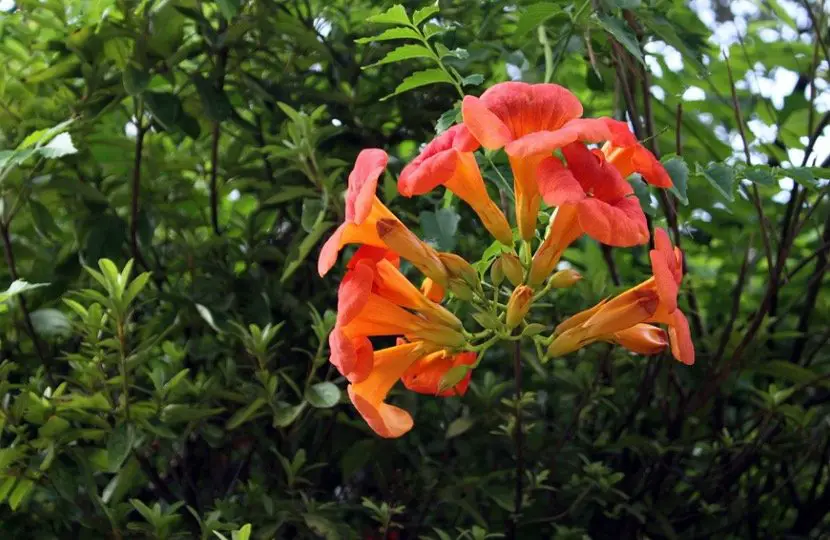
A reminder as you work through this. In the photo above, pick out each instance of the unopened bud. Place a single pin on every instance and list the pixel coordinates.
(496, 273)
(512, 267)
(565, 278)
(459, 268)
(564, 343)
(439, 334)
(518, 305)
(463, 278)
(452, 377)
(402, 241)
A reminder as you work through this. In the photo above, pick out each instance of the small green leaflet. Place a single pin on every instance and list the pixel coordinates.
(404, 52)
(721, 176)
(394, 15)
(679, 173)
(421, 78)
(621, 33)
(401, 32)
(424, 13)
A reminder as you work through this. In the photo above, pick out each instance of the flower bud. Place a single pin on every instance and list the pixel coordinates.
(565, 278)
(496, 273)
(512, 268)
(518, 305)
(564, 343)
(402, 241)
(463, 278)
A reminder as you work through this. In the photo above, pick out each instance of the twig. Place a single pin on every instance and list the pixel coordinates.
(519, 439)
(608, 255)
(678, 124)
(755, 196)
(135, 195)
(24, 309)
(736, 304)
(811, 298)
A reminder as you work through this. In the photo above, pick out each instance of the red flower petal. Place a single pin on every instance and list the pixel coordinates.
(363, 182)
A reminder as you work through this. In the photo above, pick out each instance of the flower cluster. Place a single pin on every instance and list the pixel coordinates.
(547, 142)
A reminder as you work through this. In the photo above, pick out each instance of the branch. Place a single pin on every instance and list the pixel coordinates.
(519, 439)
(136, 185)
(27, 318)
(221, 62)
(813, 290)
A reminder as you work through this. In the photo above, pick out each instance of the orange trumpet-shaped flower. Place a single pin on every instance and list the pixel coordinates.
(592, 198)
(403, 241)
(424, 376)
(363, 209)
(653, 301)
(508, 112)
(449, 160)
(531, 121)
(369, 395)
(373, 300)
(421, 366)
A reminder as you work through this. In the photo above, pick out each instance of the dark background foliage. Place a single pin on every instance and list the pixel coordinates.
(210, 141)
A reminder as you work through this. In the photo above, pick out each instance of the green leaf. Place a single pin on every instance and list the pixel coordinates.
(135, 80)
(459, 426)
(44, 222)
(761, 175)
(390, 34)
(424, 13)
(242, 534)
(58, 147)
(323, 395)
(472, 80)
(64, 68)
(721, 176)
(208, 317)
(6, 486)
(447, 120)
(536, 14)
(356, 457)
(19, 286)
(21, 491)
(679, 173)
(440, 227)
(420, 78)
(802, 175)
(215, 102)
(404, 52)
(622, 34)
(296, 257)
(119, 446)
(311, 213)
(643, 193)
(53, 427)
(228, 8)
(787, 371)
(288, 193)
(394, 15)
(286, 414)
(453, 376)
(178, 413)
(50, 322)
(243, 415)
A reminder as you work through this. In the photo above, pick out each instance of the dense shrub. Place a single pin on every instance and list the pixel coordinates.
(171, 168)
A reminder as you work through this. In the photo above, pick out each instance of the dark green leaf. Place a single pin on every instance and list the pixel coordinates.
(721, 176)
(421, 78)
(679, 173)
(322, 395)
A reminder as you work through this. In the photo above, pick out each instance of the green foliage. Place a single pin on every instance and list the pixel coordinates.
(169, 169)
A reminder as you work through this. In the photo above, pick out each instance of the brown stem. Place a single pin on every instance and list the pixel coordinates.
(736, 304)
(518, 438)
(24, 309)
(135, 195)
(812, 297)
(221, 63)
(612, 266)
(754, 196)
